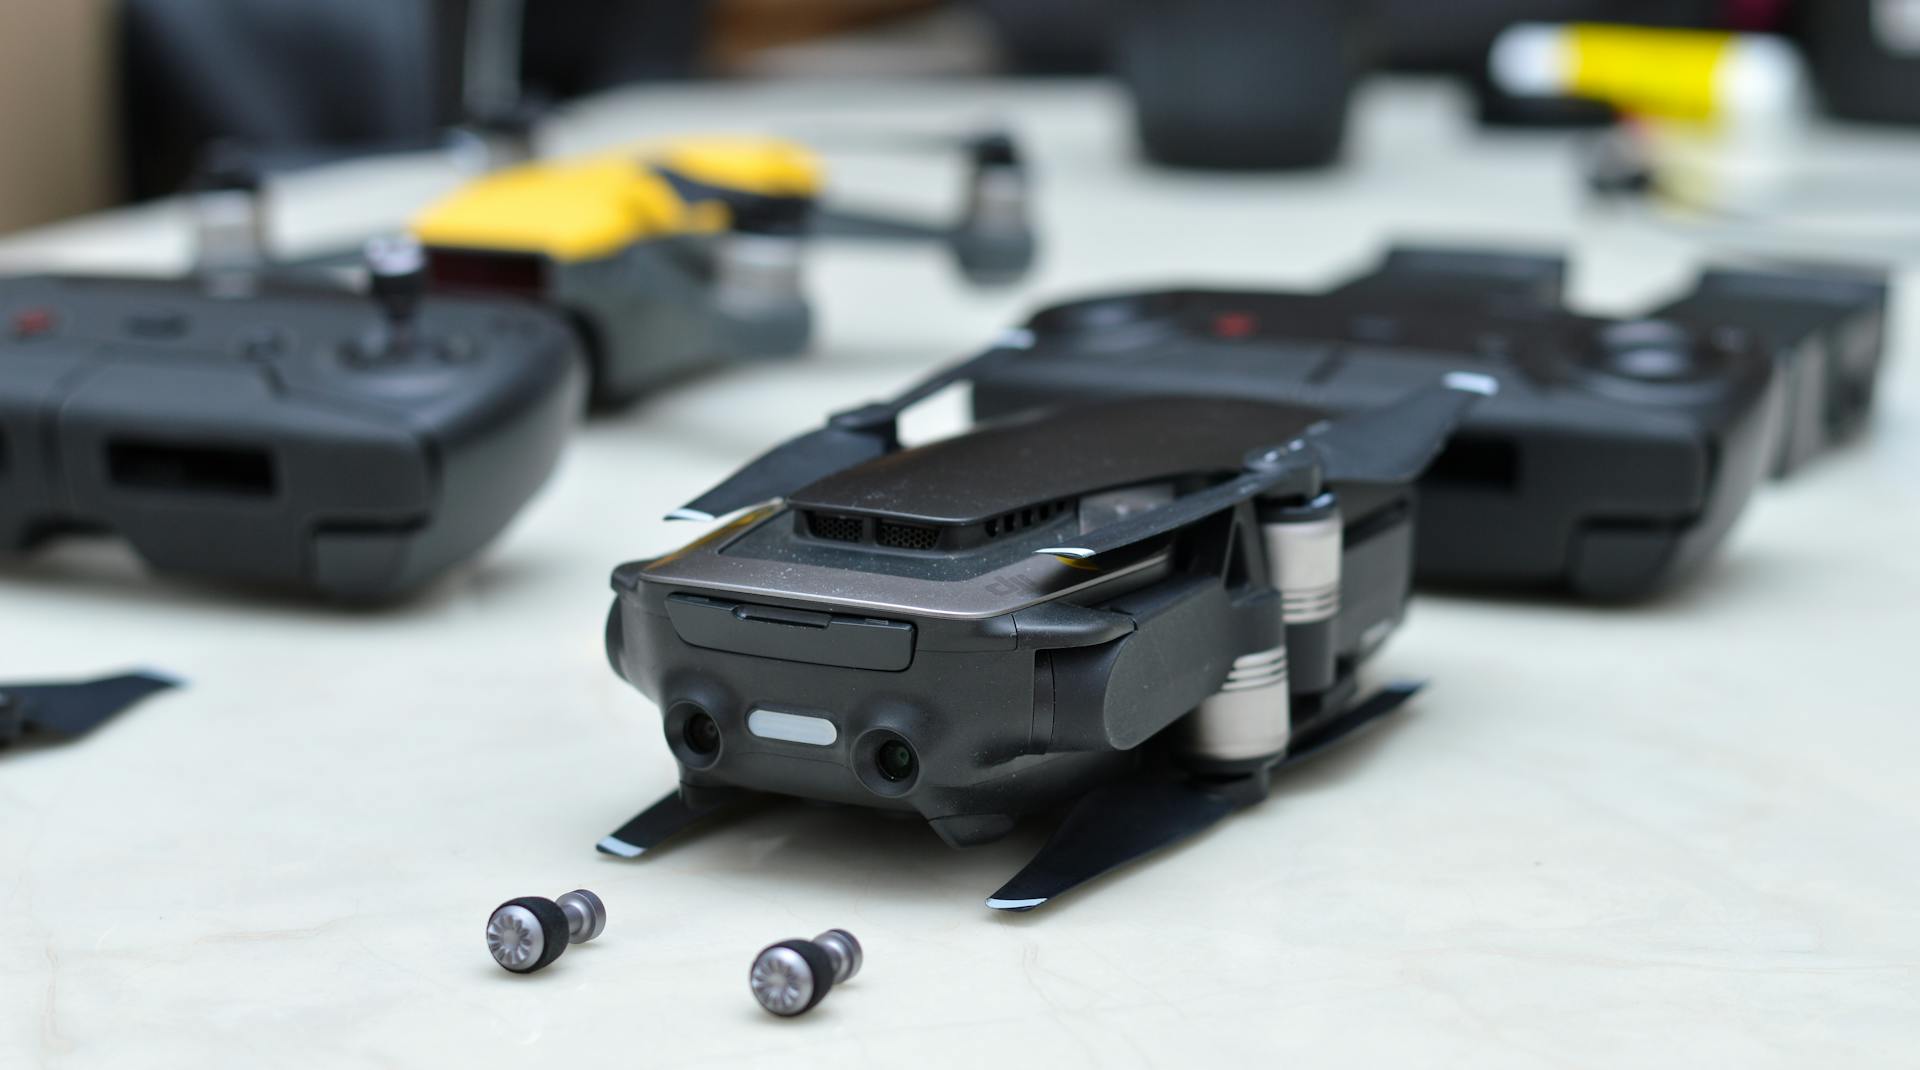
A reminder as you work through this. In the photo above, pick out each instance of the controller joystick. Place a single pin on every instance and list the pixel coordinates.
(1660, 362)
(397, 282)
(791, 977)
(526, 934)
(289, 438)
(230, 240)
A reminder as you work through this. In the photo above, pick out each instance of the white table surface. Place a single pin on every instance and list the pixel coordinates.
(1684, 833)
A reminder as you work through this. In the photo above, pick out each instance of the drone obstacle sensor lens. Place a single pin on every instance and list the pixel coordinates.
(702, 734)
(896, 760)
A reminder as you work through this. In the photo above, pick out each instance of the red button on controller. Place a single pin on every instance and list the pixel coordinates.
(32, 322)
(1235, 324)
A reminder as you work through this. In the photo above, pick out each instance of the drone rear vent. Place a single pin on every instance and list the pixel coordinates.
(906, 536)
(837, 527)
(1022, 519)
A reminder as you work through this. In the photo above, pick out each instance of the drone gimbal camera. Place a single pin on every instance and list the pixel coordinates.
(1138, 611)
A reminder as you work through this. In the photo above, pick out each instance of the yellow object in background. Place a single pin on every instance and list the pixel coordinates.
(587, 207)
(1708, 77)
(760, 166)
(1672, 74)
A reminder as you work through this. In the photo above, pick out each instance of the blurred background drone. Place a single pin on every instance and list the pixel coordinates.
(120, 99)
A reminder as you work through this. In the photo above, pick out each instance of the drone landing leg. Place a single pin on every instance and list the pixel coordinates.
(1109, 827)
(1116, 824)
(1337, 730)
(662, 820)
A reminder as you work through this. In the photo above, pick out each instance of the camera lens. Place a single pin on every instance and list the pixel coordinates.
(895, 759)
(701, 734)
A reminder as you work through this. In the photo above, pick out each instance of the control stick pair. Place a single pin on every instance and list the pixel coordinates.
(788, 978)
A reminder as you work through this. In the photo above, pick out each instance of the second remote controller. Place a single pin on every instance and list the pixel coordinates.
(1616, 454)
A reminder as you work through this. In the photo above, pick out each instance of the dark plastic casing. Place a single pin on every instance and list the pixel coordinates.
(271, 439)
(1019, 681)
(1616, 454)
(648, 314)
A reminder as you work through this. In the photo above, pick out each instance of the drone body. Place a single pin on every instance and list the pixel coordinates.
(1085, 606)
(682, 254)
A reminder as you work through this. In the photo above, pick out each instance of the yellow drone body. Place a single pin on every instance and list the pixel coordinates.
(671, 255)
(591, 207)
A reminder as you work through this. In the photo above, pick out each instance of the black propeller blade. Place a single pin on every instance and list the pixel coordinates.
(1109, 827)
(789, 466)
(1318, 740)
(850, 438)
(661, 821)
(1113, 825)
(72, 709)
(1289, 469)
(1387, 445)
(1394, 444)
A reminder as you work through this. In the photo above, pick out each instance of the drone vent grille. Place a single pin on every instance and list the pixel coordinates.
(906, 536)
(836, 527)
(1022, 519)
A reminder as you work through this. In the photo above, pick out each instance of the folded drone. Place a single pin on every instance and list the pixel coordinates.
(1137, 611)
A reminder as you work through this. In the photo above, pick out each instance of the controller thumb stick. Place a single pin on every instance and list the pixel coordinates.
(230, 246)
(528, 933)
(397, 281)
(506, 133)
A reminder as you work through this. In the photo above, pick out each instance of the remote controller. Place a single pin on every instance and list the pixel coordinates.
(277, 433)
(1616, 454)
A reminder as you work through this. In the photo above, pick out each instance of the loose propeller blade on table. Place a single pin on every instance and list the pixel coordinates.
(73, 709)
